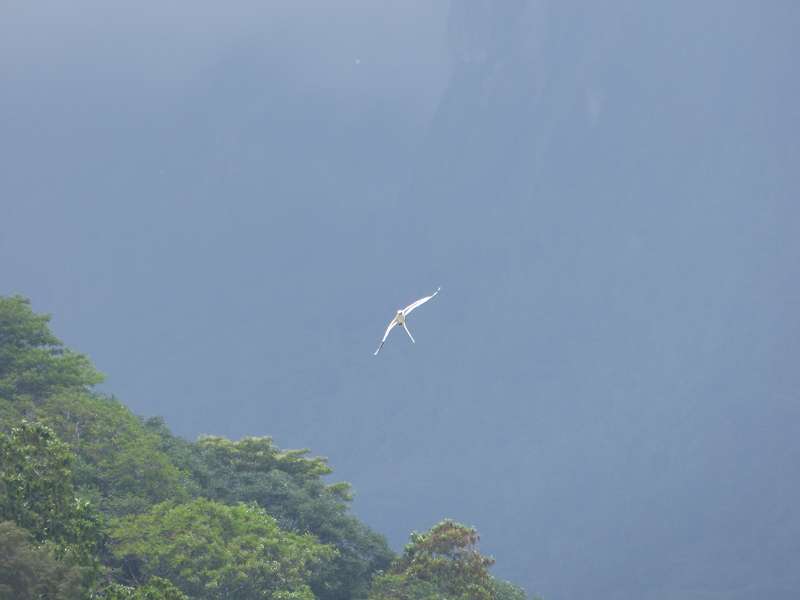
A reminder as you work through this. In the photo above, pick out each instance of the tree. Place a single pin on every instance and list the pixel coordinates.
(397, 586)
(33, 362)
(505, 590)
(445, 558)
(156, 588)
(119, 462)
(29, 571)
(214, 551)
(36, 492)
(289, 485)
(180, 452)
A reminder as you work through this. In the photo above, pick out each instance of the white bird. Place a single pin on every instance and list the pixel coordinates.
(400, 318)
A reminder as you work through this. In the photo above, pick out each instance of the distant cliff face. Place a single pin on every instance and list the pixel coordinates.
(480, 30)
(593, 171)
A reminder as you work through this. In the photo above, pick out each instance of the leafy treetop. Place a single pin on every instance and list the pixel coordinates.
(216, 551)
(289, 485)
(33, 362)
(37, 493)
(443, 563)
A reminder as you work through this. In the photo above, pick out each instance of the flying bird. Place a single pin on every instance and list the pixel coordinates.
(400, 319)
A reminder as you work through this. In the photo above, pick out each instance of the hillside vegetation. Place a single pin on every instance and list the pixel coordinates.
(96, 502)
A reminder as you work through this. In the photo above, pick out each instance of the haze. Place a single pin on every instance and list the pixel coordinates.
(224, 207)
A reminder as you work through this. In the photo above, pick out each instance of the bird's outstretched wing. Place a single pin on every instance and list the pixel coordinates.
(419, 302)
(392, 323)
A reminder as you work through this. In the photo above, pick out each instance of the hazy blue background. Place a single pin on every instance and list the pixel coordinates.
(224, 206)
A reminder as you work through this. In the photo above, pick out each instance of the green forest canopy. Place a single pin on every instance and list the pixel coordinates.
(98, 503)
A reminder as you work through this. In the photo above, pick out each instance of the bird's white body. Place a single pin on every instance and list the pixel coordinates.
(400, 318)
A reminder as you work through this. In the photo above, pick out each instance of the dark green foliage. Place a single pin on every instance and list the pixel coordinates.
(394, 586)
(254, 469)
(119, 464)
(119, 461)
(35, 480)
(362, 552)
(31, 572)
(214, 551)
(155, 589)
(33, 362)
(289, 485)
(180, 452)
(36, 492)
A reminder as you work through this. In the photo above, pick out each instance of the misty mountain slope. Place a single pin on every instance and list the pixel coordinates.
(622, 265)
